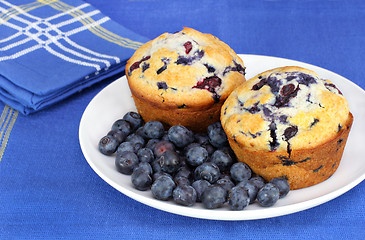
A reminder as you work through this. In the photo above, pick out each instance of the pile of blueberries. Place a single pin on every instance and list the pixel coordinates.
(186, 167)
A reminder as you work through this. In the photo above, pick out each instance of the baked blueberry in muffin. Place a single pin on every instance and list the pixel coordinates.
(183, 78)
(288, 122)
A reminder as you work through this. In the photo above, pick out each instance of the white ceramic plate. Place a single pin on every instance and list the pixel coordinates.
(115, 100)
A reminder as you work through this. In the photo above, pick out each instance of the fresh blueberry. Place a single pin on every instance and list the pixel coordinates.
(225, 183)
(196, 156)
(125, 147)
(137, 140)
(207, 171)
(268, 195)
(146, 166)
(162, 187)
(161, 147)
(108, 145)
(209, 147)
(217, 136)
(201, 138)
(169, 162)
(126, 162)
(191, 145)
(180, 135)
(184, 195)
(183, 172)
(251, 190)
(153, 129)
(151, 143)
(181, 180)
(222, 159)
(258, 181)
(214, 196)
(282, 184)
(141, 179)
(122, 125)
(225, 175)
(240, 171)
(158, 174)
(155, 164)
(145, 155)
(140, 132)
(165, 136)
(242, 183)
(200, 186)
(134, 119)
(118, 135)
(183, 162)
(228, 150)
(238, 198)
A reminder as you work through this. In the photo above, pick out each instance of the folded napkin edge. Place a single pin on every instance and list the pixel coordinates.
(50, 99)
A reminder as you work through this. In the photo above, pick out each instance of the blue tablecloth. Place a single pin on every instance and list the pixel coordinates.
(48, 190)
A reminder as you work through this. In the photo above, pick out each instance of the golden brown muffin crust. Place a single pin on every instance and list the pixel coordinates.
(287, 122)
(183, 78)
(167, 74)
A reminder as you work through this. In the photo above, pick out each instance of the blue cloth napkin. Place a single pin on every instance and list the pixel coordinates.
(50, 49)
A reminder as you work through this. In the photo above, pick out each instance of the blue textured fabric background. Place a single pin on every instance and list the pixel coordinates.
(48, 191)
(85, 45)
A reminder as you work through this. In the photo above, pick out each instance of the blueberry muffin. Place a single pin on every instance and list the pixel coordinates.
(288, 122)
(183, 78)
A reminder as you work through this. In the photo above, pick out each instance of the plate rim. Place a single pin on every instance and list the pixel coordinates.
(227, 214)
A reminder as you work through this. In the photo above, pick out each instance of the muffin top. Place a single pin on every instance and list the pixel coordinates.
(184, 69)
(284, 109)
